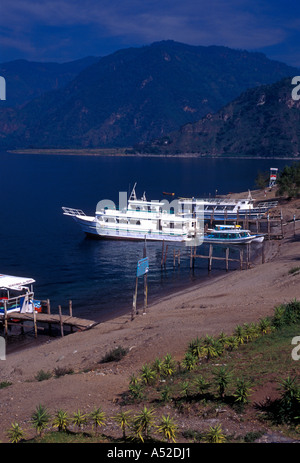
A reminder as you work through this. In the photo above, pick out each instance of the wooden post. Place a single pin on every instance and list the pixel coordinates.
(263, 252)
(294, 225)
(269, 226)
(70, 309)
(191, 258)
(34, 323)
(48, 307)
(227, 256)
(61, 321)
(179, 258)
(281, 220)
(210, 257)
(5, 319)
(241, 258)
(133, 313)
(145, 293)
(162, 253)
(166, 255)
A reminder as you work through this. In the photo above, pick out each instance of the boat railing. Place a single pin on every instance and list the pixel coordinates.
(16, 304)
(72, 212)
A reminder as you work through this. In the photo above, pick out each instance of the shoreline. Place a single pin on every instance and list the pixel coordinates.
(114, 152)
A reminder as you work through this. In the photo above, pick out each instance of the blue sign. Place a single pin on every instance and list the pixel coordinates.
(142, 267)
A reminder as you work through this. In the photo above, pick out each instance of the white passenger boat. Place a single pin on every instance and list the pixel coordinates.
(226, 234)
(140, 219)
(221, 209)
(16, 295)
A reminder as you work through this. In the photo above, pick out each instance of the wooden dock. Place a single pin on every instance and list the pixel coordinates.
(37, 318)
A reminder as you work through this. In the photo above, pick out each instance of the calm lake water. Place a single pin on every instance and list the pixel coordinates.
(38, 241)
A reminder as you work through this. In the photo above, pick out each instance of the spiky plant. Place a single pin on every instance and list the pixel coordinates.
(168, 365)
(211, 348)
(15, 433)
(202, 385)
(222, 380)
(243, 391)
(195, 347)
(98, 418)
(40, 419)
(190, 361)
(168, 428)
(61, 420)
(124, 420)
(239, 334)
(142, 424)
(79, 419)
(147, 374)
(215, 435)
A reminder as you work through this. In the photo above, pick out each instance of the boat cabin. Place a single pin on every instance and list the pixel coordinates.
(16, 295)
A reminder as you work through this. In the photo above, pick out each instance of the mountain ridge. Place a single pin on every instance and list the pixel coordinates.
(137, 94)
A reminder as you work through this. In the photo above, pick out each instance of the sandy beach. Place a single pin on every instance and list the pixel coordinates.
(168, 326)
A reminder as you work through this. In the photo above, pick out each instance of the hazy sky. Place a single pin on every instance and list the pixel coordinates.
(63, 30)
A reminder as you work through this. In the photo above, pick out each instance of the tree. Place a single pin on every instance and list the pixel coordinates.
(289, 181)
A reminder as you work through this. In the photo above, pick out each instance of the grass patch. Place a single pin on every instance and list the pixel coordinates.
(294, 270)
(43, 375)
(4, 384)
(114, 355)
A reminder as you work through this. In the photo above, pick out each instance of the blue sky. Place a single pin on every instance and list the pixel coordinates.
(64, 30)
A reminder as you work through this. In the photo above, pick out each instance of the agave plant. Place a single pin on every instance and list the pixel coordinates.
(15, 433)
(168, 428)
(40, 419)
(211, 347)
(79, 419)
(215, 435)
(147, 374)
(158, 366)
(168, 365)
(195, 347)
(190, 361)
(98, 418)
(143, 423)
(239, 334)
(61, 420)
(265, 326)
(243, 390)
(124, 420)
(202, 384)
(222, 379)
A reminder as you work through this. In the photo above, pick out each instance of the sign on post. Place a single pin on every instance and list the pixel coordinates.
(142, 267)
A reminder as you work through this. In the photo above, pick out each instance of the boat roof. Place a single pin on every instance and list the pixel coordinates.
(14, 282)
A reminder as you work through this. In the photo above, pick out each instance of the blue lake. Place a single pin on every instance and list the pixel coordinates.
(38, 241)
